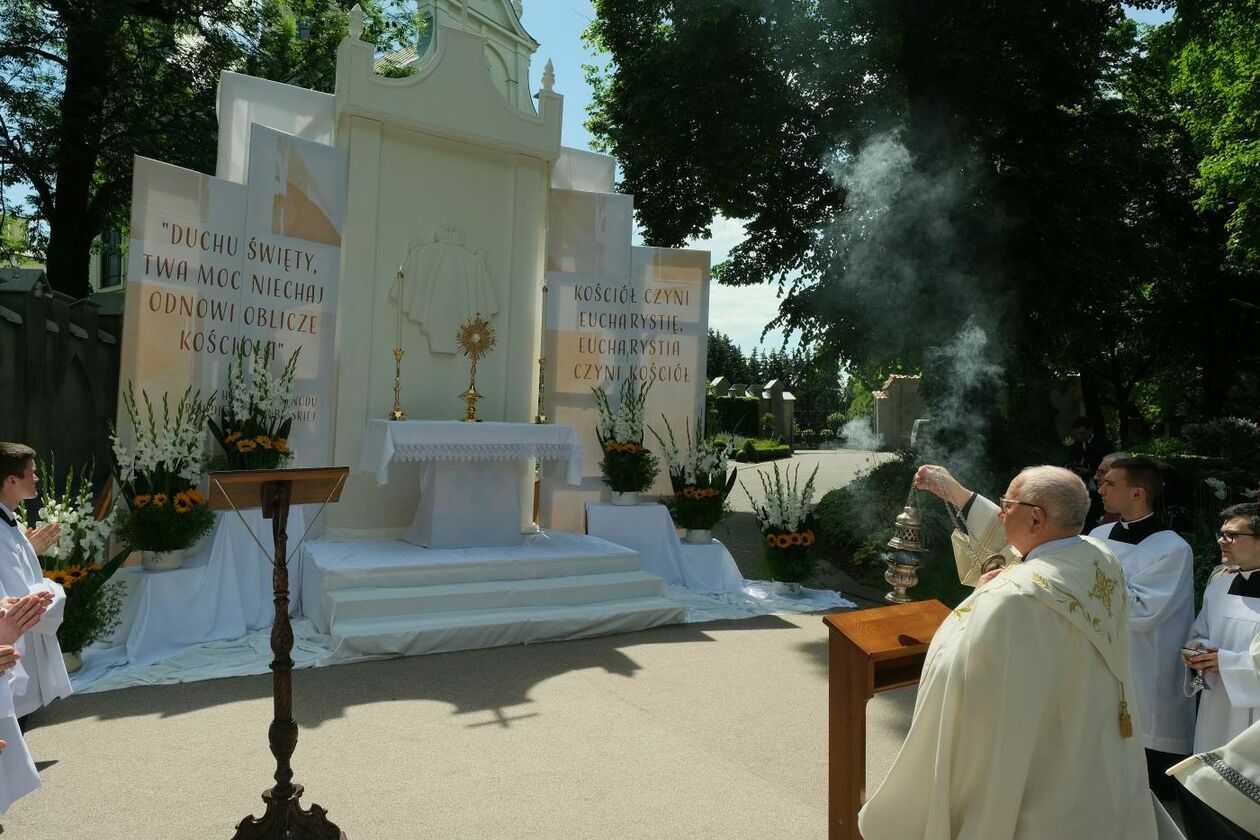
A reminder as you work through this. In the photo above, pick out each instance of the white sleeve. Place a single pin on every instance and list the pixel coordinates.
(51, 619)
(984, 526)
(1156, 591)
(1240, 678)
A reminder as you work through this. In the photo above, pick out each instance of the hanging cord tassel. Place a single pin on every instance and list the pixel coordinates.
(1126, 722)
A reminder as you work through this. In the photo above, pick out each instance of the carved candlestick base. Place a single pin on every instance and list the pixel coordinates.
(471, 396)
(398, 413)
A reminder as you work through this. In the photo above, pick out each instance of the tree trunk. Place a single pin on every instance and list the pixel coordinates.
(90, 41)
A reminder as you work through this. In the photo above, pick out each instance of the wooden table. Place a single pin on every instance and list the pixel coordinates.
(870, 651)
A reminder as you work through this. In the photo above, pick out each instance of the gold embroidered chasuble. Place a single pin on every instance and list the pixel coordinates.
(1017, 730)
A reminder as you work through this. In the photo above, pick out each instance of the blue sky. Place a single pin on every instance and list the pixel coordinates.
(557, 25)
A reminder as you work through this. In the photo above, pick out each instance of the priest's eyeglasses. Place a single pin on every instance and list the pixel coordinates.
(1230, 536)
(1007, 504)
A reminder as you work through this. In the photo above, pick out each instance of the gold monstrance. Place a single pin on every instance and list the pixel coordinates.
(398, 413)
(475, 339)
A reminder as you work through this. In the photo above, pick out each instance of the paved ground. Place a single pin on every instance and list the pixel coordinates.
(689, 731)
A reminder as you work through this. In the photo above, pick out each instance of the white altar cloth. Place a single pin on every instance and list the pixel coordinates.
(649, 530)
(222, 591)
(450, 440)
(472, 477)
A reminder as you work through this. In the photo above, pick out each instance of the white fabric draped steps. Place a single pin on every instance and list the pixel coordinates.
(365, 599)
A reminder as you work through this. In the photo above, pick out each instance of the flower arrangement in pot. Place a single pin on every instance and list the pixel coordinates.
(77, 559)
(256, 412)
(700, 481)
(164, 512)
(785, 516)
(629, 467)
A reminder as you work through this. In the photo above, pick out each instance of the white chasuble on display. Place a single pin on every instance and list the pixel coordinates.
(443, 285)
(1019, 725)
(20, 574)
(1159, 578)
(1230, 622)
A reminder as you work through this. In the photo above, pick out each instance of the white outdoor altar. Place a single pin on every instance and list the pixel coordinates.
(470, 474)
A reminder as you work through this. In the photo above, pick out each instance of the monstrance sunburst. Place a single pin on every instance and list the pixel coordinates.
(475, 339)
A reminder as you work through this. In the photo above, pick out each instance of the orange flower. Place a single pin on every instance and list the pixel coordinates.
(282, 444)
(794, 539)
(159, 499)
(783, 540)
(183, 504)
(770, 540)
(245, 446)
(232, 438)
(194, 495)
(264, 441)
(808, 537)
(141, 500)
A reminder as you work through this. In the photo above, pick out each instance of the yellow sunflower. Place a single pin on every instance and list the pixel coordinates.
(159, 499)
(264, 441)
(281, 444)
(808, 538)
(232, 438)
(194, 496)
(245, 446)
(183, 504)
(141, 500)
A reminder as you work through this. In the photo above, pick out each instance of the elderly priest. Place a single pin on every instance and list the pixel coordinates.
(1024, 725)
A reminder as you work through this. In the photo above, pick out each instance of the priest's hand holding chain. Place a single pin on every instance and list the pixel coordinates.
(938, 481)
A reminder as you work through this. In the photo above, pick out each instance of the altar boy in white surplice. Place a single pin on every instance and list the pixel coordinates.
(1022, 726)
(1226, 626)
(20, 574)
(17, 772)
(1159, 577)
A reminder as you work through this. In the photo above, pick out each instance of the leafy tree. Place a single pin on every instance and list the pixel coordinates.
(86, 86)
(941, 186)
(1217, 75)
(726, 359)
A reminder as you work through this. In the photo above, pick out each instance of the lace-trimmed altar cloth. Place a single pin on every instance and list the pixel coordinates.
(451, 440)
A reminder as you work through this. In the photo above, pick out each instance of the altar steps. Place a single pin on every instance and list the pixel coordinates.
(386, 597)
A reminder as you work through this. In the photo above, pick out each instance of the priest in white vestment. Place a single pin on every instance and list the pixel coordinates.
(20, 574)
(1225, 628)
(1159, 577)
(1024, 725)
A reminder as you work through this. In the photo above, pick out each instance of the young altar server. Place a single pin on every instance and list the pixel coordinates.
(17, 772)
(1224, 630)
(20, 574)
(1159, 578)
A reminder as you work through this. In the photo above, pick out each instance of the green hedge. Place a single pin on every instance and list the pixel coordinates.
(737, 415)
(756, 451)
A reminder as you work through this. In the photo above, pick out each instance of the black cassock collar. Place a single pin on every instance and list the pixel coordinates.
(8, 520)
(1248, 587)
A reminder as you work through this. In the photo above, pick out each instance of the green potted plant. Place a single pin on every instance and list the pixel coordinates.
(157, 474)
(629, 467)
(785, 516)
(256, 412)
(699, 479)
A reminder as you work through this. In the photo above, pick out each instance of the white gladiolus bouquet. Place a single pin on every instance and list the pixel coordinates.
(83, 536)
(170, 451)
(159, 473)
(785, 516)
(698, 475)
(787, 503)
(257, 410)
(78, 560)
(628, 466)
